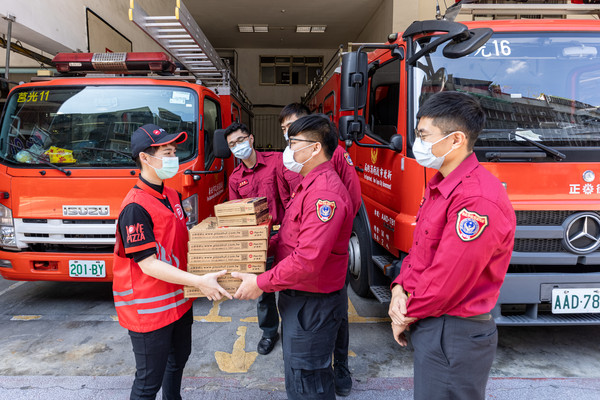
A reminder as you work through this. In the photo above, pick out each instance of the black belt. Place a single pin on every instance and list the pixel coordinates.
(480, 317)
(296, 293)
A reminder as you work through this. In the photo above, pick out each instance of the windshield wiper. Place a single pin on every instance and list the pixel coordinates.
(48, 163)
(557, 155)
(109, 150)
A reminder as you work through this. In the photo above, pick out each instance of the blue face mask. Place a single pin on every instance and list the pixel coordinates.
(170, 167)
(242, 150)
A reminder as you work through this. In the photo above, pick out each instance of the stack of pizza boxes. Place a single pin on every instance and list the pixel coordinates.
(236, 240)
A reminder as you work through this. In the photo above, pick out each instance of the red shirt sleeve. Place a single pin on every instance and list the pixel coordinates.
(315, 242)
(459, 267)
(344, 166)
(233, 186)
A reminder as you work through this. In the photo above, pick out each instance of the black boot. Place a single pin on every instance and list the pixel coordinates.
(343, 379)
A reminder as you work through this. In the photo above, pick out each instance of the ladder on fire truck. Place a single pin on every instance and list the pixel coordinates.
(182, 38)
(553, 9)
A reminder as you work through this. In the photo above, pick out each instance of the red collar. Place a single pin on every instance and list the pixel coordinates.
(143, 185)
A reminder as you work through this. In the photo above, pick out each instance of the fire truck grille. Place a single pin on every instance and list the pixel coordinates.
(539, 246)
(70, 236)
(542, 218)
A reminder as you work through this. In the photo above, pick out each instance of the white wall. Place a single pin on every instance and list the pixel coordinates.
(63, 24)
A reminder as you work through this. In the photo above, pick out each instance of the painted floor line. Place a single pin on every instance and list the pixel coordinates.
(13, 286)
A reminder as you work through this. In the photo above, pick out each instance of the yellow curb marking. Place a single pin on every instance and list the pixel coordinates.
(213, 314)
(238, 360)
(249, 319)
(354, 318)
(25, 317)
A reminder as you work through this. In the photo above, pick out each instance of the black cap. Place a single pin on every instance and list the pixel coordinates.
(153, 135)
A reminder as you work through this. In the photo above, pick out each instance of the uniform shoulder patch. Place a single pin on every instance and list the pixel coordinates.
(348, 159)
(470, 225)
(325, 209)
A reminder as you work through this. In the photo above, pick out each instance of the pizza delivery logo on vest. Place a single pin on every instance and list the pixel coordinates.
(325, 209)
(178, 211)
(135, 233)
(470, 225)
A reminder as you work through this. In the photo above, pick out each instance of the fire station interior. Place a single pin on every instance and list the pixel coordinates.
(274, 49)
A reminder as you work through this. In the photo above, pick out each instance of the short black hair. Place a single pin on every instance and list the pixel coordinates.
(235, 127)
(455, 111)
(317, 127)
(297, 109)
(148, 150)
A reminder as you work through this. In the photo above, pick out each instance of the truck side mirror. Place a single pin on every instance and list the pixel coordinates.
(460, 47)
(350, 129)
(354, 81)
(396, 143)
(220, 147)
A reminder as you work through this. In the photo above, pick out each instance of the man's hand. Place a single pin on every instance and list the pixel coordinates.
(397, 310)
(208, 284)
(398, 331)
(249, 289)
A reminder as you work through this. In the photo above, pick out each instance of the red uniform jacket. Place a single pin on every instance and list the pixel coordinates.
(311, 248)
(462, 244)
(145, 303)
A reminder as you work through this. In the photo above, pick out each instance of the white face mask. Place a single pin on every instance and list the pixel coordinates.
(424, 156)
(290, 163)
(242, 150)
(170, 167)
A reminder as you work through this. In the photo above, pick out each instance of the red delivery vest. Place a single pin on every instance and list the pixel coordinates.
(145, 303)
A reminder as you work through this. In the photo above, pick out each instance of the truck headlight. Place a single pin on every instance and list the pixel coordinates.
(190, 206)
(7, 228)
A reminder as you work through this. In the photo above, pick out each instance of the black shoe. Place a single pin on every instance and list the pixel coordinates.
(342, 380)
(265, 345)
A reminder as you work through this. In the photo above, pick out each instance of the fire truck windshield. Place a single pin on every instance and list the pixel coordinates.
(91, 126)
(542, 86)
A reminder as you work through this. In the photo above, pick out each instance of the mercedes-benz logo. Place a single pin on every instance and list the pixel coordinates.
(582, 233)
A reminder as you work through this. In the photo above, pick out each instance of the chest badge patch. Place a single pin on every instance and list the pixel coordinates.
(325, 209)
(348, 159)
(470, 225)
(243, 183)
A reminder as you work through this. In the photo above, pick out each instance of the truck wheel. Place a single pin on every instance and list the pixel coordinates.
(359, 258)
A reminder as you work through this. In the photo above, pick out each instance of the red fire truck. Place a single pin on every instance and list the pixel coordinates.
(538, 81)
(65, 158)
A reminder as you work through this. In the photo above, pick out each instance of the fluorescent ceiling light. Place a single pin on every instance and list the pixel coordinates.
(261, 28)
(318, 29)
(302, 28)
(245, 28)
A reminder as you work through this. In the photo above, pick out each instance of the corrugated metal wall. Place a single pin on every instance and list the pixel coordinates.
(267, 132)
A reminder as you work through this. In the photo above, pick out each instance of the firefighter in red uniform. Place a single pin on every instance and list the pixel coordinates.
(311, 258)
(461, 249)
(287, 182)
(149, 268)
(255, 176)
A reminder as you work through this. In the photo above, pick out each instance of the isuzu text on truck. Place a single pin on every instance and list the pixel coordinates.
(539, 84)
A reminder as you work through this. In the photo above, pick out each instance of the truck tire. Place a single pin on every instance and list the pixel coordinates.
(359, 251)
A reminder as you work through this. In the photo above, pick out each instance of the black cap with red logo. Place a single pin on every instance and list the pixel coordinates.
(153, 135)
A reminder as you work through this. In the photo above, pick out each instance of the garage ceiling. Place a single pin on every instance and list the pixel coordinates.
(219, 20)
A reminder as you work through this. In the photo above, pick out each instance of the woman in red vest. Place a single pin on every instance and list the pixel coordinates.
(150, 268)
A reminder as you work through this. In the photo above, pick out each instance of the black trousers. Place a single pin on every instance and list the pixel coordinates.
(342, 341)
(309, 327)
(266, 310)
(160, 357)
(453, 357)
